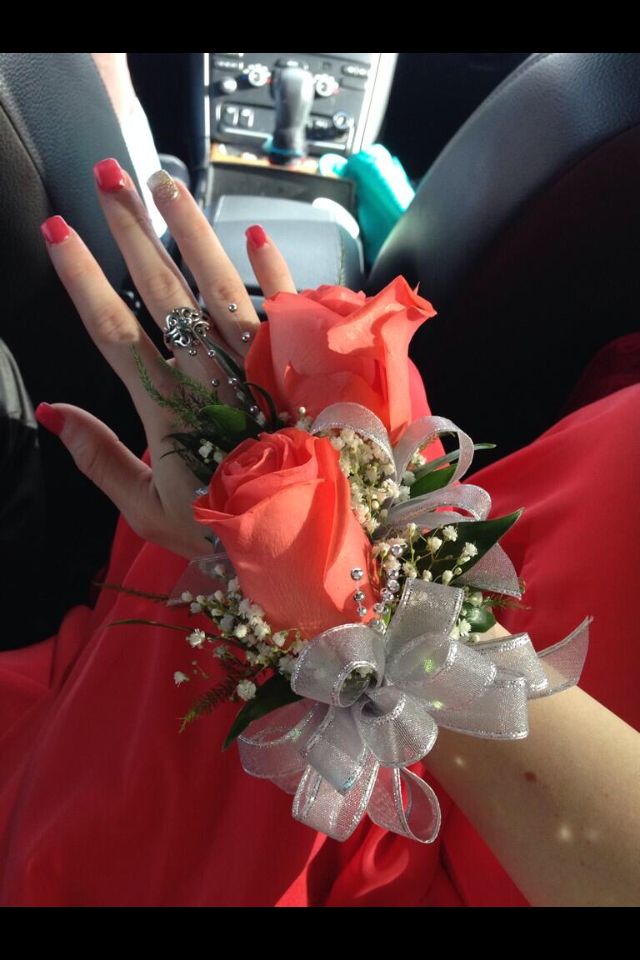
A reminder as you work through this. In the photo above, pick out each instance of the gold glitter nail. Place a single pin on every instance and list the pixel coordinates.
(162, 186)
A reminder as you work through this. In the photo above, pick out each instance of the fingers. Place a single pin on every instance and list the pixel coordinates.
(108, 320)
(155, 275)
(219, 283)
(98, 453)
(126, 480)
(268, 264)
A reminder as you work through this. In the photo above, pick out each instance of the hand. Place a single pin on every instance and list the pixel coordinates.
(155, 500)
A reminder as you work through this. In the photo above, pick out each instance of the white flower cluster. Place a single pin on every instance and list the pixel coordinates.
(412, 556)
(210, 454)
(242, 625)
(370, 475)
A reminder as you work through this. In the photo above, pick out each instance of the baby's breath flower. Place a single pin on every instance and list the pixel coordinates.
(195, 607)
(246, 690)
(286, 664)
(180, 677)
(219, 456)
(227, 623)
(234, 585)
(469, 550)
(410, 569)
(186, 597)
(205, 449)
(261, 629)
(464, 626)
(447, 577)
(220, 571)
(427, 575)
(197, 638)
(279, 638)
(449, 533)
(433, 544)
(240, 631)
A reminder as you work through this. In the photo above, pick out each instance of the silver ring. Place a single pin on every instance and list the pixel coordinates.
(185, 327)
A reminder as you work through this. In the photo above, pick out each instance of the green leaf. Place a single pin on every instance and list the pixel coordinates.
(276, 692)
(448, 458)
(431, 481)
(231, 419)
(484, 534)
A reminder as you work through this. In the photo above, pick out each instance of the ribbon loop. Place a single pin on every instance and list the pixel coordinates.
(416, 817)
(396, 727)
(340, 665)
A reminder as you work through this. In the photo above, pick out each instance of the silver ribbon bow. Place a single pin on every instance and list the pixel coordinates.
(372, 704)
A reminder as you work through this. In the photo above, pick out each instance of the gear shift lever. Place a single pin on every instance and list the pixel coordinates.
(293, 91)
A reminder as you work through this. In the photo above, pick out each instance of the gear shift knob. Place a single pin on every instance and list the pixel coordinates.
(293, 91)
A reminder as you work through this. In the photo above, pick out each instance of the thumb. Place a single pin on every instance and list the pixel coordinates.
(99, 454)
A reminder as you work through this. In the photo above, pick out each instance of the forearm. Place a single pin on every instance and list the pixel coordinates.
(561, 808)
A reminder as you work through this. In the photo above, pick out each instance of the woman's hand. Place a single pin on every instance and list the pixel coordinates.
(155, 500)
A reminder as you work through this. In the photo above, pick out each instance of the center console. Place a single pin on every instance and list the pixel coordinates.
(310, 216)
(351, 94)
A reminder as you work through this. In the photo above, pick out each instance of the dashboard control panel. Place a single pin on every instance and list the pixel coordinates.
(351, 93)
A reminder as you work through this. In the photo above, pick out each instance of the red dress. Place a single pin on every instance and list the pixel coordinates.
(104, 802)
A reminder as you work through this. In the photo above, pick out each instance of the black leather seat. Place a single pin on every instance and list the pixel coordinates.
(525, 235)
(56, 121)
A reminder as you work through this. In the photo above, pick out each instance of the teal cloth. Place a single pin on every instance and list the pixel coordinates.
(383, 191)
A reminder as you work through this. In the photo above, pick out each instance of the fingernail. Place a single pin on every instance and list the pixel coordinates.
(55, 229)
(162, 186)
(50, 418)
(109, 175)
(256, 236)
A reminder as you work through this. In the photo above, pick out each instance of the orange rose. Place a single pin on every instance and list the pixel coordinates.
(330, 344)
(281, 507)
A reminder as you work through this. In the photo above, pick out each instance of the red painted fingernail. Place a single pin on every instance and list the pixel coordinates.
(256, 236)
(50, 418)
(55, 230)
(109, 175)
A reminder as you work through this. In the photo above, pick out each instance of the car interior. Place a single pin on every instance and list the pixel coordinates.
(523, 232)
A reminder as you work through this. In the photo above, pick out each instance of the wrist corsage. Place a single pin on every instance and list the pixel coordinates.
(353, 575)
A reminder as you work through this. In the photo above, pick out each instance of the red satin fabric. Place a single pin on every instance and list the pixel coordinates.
(104, 802)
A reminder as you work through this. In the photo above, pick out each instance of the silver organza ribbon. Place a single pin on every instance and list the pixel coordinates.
(343, 750)
(371, 704)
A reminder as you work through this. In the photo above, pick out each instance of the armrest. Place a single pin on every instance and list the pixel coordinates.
(313, 239)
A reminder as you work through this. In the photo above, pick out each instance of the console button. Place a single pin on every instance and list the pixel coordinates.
(325, 85)
(246, 118)
(228, 85)
(221, 64)
(351, 70)
(284, 62)
(342, 121)
(258, 74)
